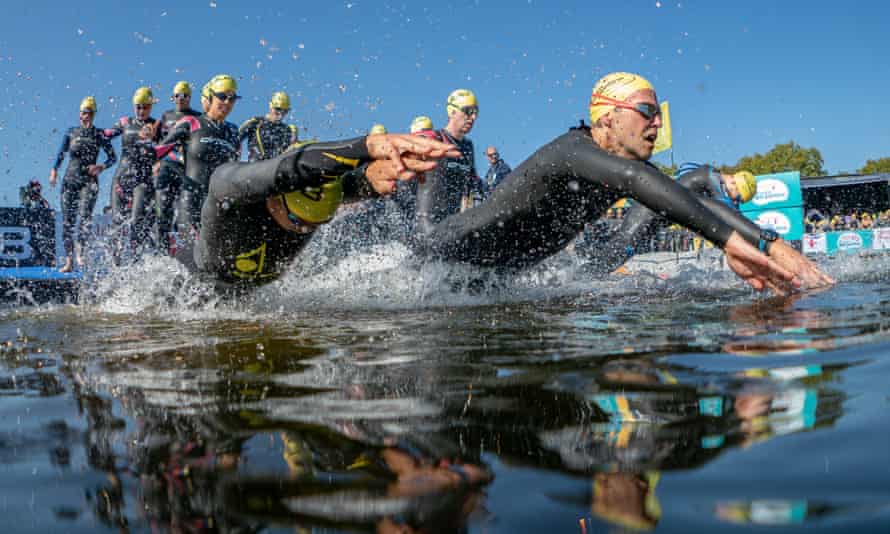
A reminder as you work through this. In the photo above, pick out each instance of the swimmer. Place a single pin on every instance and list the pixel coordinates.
(269, 136)
(81, 182)
(132, 187)
(209, 141)
(544, 203)
(171, 171)
(259, 216)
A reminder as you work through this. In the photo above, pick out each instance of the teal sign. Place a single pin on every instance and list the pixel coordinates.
(846, 241)
(778, 204)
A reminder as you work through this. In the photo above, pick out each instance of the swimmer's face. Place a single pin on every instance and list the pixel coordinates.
(731, 189)
(142, 110)
(277, 114)
(635, 134)
(463, 119)
(221, 107)
(182, 101)
(86, 118)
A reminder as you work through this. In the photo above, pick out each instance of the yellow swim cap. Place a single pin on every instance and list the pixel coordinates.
(420, 123)
(222, 83)
(88, 104)
(182, 88)
(314, 205)
(143, 96)
(280, 100)
(460, 98)
(615, 86)
(746, 185)
(377, 129)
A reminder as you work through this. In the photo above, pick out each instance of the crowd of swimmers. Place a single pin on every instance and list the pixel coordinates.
(245, 222)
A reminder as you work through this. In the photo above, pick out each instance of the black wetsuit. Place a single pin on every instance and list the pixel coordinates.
(170, 175)
(266, 139)
(546, 201)
(79, 189)
(132, 187)
(240, 244)
(208, 144)
(440, 195)
(640, 224)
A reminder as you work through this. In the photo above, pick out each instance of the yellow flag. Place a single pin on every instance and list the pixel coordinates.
(664, 140)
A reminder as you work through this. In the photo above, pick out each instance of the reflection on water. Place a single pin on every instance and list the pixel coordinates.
(570, 413)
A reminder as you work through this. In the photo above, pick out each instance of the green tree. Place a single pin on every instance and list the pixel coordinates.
(785, 157)
(876, 166)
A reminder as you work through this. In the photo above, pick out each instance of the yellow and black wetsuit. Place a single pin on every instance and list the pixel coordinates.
(240, 244)
(266, 139)
(546, 201)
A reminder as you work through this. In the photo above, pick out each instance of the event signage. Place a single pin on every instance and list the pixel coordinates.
(778, 204)
(846, 241)
(27, 237)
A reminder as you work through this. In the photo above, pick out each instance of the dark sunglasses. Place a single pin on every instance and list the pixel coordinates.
(143, 106)
(86, 112)
(493, 155)
(281, 110)
(470, 110)
(226, 98)
(181, 96)
(647, 109)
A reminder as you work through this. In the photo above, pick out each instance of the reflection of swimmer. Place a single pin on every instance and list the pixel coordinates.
(398, 487)
(546, 201)
(259, 216)
(627, 499)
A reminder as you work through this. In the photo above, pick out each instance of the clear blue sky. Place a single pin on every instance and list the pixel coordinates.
(740, 76)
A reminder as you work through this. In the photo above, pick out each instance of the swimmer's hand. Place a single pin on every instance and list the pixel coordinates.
(53, 176)
(409, 154)
(810, 276)
(756, 268)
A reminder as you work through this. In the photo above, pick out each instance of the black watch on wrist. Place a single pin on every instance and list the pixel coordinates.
(766, 237)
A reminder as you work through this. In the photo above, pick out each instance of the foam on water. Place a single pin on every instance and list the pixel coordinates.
(342, 269)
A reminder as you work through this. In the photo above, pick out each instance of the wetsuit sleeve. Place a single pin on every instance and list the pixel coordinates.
(110, 155)
(307, 166)
(66, 144)
(640, 224)
(116, 130)
(178, 134)
(640, 181)
(246, 128)
(356, 185)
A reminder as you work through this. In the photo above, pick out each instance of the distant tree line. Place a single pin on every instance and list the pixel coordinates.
(790, 157)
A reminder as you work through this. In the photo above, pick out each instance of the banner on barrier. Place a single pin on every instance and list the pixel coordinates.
(27, 237)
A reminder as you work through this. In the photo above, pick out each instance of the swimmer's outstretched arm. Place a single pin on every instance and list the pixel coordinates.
(391, 157)
(663, 195)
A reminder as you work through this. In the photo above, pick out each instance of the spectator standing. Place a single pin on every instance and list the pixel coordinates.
(497, 169)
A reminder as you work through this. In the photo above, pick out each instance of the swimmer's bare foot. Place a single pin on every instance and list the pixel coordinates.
(78, 258)
(67, 267)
